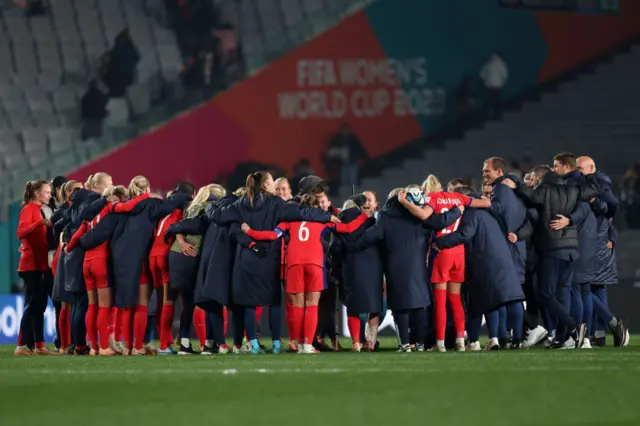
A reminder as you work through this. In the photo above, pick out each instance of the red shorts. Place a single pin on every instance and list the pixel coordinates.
(95, 273)
(448, 268)
(305, 278)
(145, 275)
(159, 270)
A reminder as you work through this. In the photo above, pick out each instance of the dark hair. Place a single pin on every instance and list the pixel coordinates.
(541, 170)
(457, 181)
(254, 184)
(320, 188)
(566, 159)
(31, 188)
(309, 200)
(186, 187)
(464, 190)
(497, 163)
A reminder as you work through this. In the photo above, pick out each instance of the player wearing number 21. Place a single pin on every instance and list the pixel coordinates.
(306, 273)
(448, 267)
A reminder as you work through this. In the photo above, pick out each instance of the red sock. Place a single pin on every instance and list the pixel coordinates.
(39, 345)
(63, 325)
(165, 326)
(310, 323)
(199, 324)
(458, 314)
(126, 318)
(440, 297)
(297, 323)
(139, 326)
(354, 328)
(113, 314)
(91, 321)
(258, 314)
(103, 327)
(225, 316)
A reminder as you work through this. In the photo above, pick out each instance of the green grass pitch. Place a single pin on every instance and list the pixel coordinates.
(534, 387)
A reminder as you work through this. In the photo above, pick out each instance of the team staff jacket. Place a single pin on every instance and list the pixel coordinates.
(102, 250)
(32, 232)
(305, 245)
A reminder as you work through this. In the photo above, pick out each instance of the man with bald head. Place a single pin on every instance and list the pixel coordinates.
(604, 208)
(283, 189)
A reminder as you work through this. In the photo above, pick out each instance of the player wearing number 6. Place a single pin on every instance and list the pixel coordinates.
(306, 272)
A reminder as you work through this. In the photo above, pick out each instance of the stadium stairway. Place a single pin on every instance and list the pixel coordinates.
(595, 114)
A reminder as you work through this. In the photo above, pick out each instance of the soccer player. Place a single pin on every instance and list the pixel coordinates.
(448, 267)
(305, 269)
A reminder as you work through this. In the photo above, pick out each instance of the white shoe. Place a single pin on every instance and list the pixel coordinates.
(236, 350)
(437, 348)
(569, 344)
(246, 348)
(307, 349)
(459, 345)
(223, 350)
(534, 337)
(492, 345)
(370, 334)
(473, 347)
(586, 344)
(626, 339)
(405, 349)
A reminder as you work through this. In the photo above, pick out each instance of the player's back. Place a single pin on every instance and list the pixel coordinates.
(442, 202)
(305, 243)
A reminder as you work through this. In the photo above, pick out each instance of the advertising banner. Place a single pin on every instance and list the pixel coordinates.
(11, 309)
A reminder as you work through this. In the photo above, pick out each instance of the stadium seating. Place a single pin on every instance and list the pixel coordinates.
(597, 115)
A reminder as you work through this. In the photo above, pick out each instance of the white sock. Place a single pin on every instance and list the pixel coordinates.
(613, 323)
(459, 340)
(494, 341)
(185, 342)
(600, 334)
(209, 343)
(440, 343)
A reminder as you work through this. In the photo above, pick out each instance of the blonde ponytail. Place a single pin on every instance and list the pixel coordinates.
(200, 200)
(138, 186)
(431, 184)
(89, 183)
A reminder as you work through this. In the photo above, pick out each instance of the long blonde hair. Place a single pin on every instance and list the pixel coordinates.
(349, 204)
(200, 200)
(393, 193)
(64, 192)
(138, 186)
(240, 192)
(431, 184)
(117, 190)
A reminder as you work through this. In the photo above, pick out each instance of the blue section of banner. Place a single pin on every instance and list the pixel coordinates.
(11, 309)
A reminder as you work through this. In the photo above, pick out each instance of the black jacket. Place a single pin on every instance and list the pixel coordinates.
(552, 197)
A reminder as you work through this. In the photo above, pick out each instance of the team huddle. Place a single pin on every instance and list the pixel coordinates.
(100, 252)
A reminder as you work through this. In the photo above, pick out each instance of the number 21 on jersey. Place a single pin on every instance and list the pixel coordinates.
(451, 228)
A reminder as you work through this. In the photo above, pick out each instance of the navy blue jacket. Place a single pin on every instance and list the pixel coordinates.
(130, 237)
(361, 271)
(604, 208)
(493, 280)
(510, 213)
(73, 262)
(584, 220)
(256, 278)
(404, 246)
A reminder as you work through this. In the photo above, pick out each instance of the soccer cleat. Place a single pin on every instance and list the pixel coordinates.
(578, 335)
(139, 352)
(223, 350)
(118, 348)
(276, 348)
(236, 350)
(62, 351)
(166, 352)
(107, 352)
(459, 344)
(619, 334)
(321, 345)
(206, 350)
(151, 350)
(187, 351)
(43, 351)
(492, 345)
(627, 338)
(356, 347)
(438, 347)
(306, 349)
(81, 350)
(473, 347)
(420, 347)
(335, 345)
(586, 344)
(534, 337)
(126, 351)
(93, 352)
(293, 346)
(257, 351)
(22, 351)
(405, 349)
(71, 350)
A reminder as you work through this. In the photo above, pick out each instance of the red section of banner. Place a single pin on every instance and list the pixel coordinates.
(196, 147)
(574, 38)
(293, 107)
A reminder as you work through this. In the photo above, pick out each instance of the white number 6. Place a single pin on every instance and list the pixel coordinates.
(303, 233)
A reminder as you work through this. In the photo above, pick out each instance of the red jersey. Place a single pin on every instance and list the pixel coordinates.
(442, 202)
(160, 247)
(305, 244)
(32, 233)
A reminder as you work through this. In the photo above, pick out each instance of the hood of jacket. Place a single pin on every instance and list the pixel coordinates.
(602, 179)
(514, 178)
(349, 215)
(553, 179)
(259, 201)
(83, 195)
(393, 207)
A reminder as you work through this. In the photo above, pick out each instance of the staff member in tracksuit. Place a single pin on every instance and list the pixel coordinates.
(34, 264)
(558, 249)
(510, 213)
(604, 207)
(404, 252)
(584, 220)
(361, 273)
(256, 270)
(493, 283)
